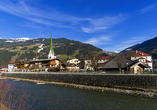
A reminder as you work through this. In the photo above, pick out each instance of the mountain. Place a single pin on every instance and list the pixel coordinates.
(24, 48)
(149, 46)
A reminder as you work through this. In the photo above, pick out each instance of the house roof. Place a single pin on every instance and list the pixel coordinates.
(42, 60)
(3, 67)
(11, 62)
(140, 64)
(139, 53)
(118, 61)
(104, 57)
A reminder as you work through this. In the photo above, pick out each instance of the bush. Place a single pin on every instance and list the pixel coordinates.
(11, 98)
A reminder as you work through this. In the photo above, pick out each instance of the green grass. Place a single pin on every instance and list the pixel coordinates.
(22, 51)
(76, 52)
(35, 51)
(64, 57)
(13, 51)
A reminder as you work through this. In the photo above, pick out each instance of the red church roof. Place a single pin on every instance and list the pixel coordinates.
(139, 53)
(104, 57)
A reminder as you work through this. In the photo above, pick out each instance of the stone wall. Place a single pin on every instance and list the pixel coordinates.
(136, 82)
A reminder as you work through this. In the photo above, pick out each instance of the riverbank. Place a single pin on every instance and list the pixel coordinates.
(137, 92)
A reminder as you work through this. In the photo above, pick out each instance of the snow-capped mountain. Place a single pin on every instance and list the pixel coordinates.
(11, 40)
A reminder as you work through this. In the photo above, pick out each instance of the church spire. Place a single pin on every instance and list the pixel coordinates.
(51, 46)
(51, 53)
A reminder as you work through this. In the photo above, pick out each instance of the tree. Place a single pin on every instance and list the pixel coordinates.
(94, 63)
(119, 66)
(81, 64)
(19, 65)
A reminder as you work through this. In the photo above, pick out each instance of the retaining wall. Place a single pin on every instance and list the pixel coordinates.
(102, 80)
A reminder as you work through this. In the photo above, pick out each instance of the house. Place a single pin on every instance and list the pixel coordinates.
(3, 69)
(87, 65)
(121, 64)
(46, 64)
(72, 67)
(143, 57)
(11, 66)
(138, 67)
(100, 60)
(75, 61)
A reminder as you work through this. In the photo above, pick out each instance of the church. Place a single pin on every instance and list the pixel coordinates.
(50, 64)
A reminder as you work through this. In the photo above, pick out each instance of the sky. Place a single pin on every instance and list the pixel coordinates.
(111, 25)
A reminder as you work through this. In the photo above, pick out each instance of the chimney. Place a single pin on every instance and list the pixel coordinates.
(136, 51)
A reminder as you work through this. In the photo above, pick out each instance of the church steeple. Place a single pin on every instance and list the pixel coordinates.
(51, 53)
(51, 46)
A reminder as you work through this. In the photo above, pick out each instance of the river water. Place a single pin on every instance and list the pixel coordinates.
(50, 97)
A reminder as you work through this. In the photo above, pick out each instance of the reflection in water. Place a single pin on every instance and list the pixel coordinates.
(50, 97)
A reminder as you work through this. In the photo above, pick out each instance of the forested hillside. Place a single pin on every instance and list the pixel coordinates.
(63, 48)
(149, 46)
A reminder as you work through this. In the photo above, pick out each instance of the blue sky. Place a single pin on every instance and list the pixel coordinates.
(111, 25)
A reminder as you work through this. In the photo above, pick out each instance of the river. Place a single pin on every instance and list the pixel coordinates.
(50, 97)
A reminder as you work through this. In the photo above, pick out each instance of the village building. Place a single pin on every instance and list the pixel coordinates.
(73, 61)
(11, 66)
(21, 65)
(103, 59)
(122, 65)
(72, 67)
(47, 65)
(87, 65)
(143, 57)
(3, 69)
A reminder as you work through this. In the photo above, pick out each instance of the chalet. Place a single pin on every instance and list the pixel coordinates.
(47, 64)
(142, 57)
(122, 65)
(72, 67)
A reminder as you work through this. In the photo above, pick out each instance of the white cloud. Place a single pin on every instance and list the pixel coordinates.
(58, 19)
(21, 9)
(134, 40)
(98, 40)
(148, 8)
(103, 23)
(93, 29)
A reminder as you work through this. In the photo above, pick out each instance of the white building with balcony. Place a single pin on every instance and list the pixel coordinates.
(143, 57)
